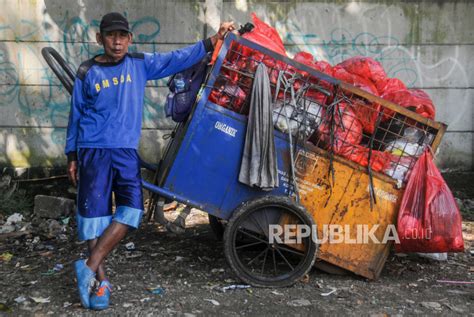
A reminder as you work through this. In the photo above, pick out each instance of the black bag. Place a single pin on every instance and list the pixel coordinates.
(179, 104)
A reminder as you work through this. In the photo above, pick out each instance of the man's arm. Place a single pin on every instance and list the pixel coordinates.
(71, 137)
(159, 65)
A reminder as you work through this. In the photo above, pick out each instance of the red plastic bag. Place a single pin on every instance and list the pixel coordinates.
(265, 35)
(347, 131)
(389, 85)
(321, 66)
(231, 97)
(354, 79)
(415, 99)
(347, 137)
(379, 161)
(366, 113)
(429, 220)
(364, 67)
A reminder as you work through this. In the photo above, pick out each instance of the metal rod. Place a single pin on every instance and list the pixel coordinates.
(168, 194)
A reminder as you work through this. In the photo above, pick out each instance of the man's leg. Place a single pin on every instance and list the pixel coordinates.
(101, 269)
(106, 243)
(94, 211)
(126, 185)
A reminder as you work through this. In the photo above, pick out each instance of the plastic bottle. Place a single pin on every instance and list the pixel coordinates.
(181, 97)
(179, 83)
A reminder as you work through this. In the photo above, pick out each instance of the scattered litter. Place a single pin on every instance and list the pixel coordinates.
(134, 254)
(455, 308)
(217, 270)
(212, 301)
(434, 256)
(454, 282)
(40, 300)
(65, 221)
(20, 299)
(146, 299)
(127, 305)
(276, 293)
(333, 290)
(156, 291)
(46, 253)
(433, 305)
(130, 246)
(58, 267)
(305, 279)
(6, 256)
(233, 287)
(171, 206)
(66, 304)
(6, 229)
(299, 302)
(14, 218)
(179, 258)
(49, 272)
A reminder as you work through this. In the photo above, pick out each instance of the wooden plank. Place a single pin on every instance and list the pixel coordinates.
(346, 204)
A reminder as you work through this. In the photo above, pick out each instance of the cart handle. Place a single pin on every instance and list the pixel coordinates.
(60, 68)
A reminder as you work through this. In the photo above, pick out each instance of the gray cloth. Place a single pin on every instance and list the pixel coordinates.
(259, 162)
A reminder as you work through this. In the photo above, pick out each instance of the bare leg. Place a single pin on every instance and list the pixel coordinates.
(101, 269)
(106, 243)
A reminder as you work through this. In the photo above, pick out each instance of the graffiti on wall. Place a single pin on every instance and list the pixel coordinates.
(45, 103)
(399, 60)
(51, 102)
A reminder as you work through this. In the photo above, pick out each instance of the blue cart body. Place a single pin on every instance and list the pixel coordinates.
(203, 166)
(207, 164)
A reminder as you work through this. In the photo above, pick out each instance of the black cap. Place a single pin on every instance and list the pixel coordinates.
(114, 21)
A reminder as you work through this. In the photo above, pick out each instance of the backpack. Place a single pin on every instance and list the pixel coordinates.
(179, 104)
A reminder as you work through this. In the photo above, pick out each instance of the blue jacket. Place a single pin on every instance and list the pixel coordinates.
(107, 101)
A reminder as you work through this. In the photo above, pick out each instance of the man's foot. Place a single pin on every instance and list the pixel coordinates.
(100, 299)
(85, 277)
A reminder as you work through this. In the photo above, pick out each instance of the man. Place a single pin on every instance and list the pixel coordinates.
(102, 140)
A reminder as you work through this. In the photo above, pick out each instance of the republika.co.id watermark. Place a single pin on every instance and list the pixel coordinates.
(335, 234)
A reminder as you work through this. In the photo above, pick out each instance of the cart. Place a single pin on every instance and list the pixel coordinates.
(317, 185)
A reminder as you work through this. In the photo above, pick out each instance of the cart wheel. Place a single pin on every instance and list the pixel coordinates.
(251, 255)
(217, 227)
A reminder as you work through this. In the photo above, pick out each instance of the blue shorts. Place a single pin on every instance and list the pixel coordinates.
(101, 172)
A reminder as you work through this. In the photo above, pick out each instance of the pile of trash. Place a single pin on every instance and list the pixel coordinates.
(50, 220)
(310, 107)
(317, 109)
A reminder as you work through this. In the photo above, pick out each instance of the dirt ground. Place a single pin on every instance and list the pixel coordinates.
(190, 271)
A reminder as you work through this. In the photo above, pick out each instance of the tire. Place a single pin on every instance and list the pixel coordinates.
(217, 227)
(247, 245)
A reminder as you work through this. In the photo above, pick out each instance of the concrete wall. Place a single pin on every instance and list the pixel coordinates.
(427, 44)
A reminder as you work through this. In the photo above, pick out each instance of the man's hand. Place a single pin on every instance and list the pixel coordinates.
(224, 28)
(72, 172)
